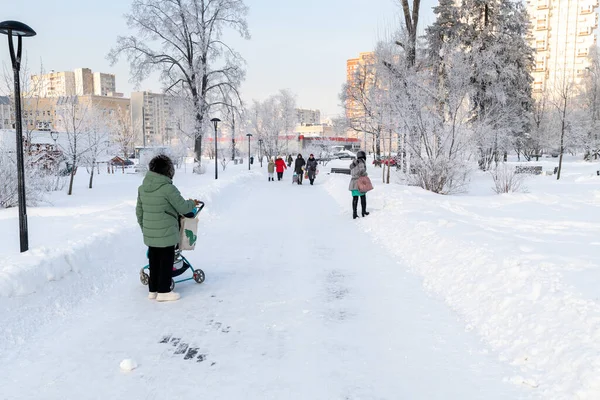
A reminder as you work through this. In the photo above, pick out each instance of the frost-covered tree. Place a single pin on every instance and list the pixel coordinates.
(494, 35)
(438, 121)
(72, 118)
(123, 133)
(590, 102)
(364, 99)
(184, 40)
(96, 139)
(271, 120)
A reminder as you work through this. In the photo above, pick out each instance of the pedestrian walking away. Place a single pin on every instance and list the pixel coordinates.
(290, 160)
(311, 168)
(358, 168)
(159, 205)
(271, 169)
(299, 168)
(280, 167)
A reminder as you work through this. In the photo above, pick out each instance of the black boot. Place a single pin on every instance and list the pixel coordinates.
(363, 205)
(354, 207)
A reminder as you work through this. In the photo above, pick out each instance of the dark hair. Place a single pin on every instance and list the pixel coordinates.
(161, 164)
(361, 155)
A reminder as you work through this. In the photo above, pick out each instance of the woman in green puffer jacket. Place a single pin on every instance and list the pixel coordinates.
(159, 205)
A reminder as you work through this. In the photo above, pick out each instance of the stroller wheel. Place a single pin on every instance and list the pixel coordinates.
(199, 276)
(144, 277)
(172, 285)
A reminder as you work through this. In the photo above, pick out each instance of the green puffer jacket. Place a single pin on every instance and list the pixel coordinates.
(159, 205)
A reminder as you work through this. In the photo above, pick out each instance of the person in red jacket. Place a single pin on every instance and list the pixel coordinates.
(280, 167)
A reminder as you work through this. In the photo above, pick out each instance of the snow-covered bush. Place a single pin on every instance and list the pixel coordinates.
(440, 175)
(37, 182)
(507, 180)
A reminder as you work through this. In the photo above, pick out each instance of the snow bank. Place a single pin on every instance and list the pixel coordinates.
(48, 281)
(499, 262)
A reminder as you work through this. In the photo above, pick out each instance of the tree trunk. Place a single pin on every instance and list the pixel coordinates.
(73, 170)
(91, 177)
(562, 150)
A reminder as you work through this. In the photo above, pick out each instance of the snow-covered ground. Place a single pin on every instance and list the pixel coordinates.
(475, 296)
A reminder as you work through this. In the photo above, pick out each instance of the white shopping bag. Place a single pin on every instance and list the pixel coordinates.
(188, 233)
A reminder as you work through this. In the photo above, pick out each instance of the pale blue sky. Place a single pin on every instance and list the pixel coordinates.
(299, 45)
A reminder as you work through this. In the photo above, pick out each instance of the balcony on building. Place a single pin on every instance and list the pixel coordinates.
(543, 4)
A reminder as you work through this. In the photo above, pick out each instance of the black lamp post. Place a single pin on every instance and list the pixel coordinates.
(216, 121)
(249, 136)
(18, 29)
(260, 142)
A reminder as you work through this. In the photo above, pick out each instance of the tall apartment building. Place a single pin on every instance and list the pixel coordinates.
(6, 116)
(308, 117)
(155, 118)
(53, 84)
(81, 82)
(104, 84)
(562, 34)
(362, 67)
(84, 82)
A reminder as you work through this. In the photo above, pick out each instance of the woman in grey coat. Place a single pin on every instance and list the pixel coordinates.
(311, 168)
(358, 168)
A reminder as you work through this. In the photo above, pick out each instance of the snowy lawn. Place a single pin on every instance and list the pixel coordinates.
(521, 270)
(298, 303)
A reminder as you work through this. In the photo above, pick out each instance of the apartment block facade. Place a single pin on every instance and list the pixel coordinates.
(84, 82)
(80, 82)
(562, 33)
(308, 117)
(156, 118)
(104, 84)
(6, 116)
(52, 84)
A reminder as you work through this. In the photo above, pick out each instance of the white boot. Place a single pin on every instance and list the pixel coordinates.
(171, 296)
(152, 295)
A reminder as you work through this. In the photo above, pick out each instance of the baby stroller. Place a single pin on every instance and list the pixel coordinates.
(181, 264)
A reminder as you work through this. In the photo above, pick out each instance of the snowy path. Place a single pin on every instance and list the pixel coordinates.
(298, 304)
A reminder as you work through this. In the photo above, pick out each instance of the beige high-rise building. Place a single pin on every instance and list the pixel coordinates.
(84, 82)
(563, 32)
(104, 84)
(53, 84)
(155, 118)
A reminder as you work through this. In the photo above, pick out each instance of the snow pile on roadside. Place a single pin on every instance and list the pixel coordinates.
(500, 265)
(22, 274)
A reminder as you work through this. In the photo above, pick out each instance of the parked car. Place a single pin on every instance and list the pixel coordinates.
(344, 155)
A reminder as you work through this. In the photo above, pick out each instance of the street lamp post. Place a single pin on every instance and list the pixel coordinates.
(260, 142)
(249, 136)
(216, 121)
(18, 29)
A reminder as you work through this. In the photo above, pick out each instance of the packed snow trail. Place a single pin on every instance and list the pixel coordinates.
(297, 304)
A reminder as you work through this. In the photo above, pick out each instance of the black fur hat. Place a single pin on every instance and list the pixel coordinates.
(361, 155)
(161, 164)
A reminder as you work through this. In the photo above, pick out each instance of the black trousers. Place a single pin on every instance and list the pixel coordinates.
(279, 176)
(161, 268)
(300, 176)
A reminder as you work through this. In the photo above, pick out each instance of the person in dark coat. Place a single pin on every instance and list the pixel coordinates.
(311, 168)
(358, 168)
(299, 168)
(290, 160)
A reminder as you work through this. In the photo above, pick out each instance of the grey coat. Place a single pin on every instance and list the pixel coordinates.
(311, 168)
(358, 168)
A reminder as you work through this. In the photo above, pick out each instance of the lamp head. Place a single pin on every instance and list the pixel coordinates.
(16, 28)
